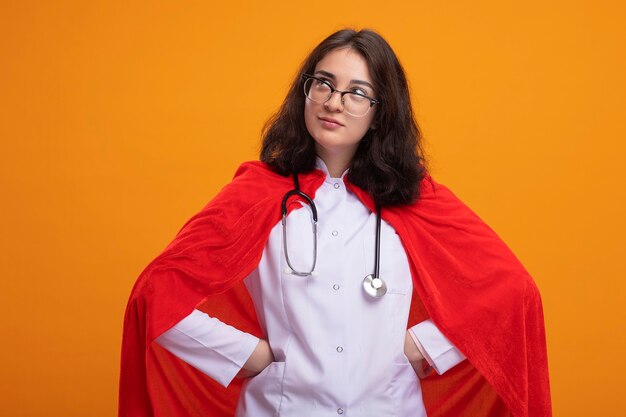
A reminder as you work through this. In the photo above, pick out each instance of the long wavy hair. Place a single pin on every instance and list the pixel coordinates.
(389, 162)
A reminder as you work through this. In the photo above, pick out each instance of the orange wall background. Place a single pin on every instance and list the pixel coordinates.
(119, 120)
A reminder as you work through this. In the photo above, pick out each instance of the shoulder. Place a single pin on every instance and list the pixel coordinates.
(430, 189)
(440, 219)
(259, 174)
(438, 209)
(436, 198)
(253, 181)
(254, 168)
(263, 180)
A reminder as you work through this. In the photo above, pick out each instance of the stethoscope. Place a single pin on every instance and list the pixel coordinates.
(372, 284)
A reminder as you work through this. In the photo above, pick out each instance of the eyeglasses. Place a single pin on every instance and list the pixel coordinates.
(353, 102)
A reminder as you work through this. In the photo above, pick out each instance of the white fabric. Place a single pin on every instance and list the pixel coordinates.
(213, 347)
(338, 351)
(439, 352)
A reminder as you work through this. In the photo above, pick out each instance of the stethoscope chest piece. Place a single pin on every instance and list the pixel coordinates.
(374, 286)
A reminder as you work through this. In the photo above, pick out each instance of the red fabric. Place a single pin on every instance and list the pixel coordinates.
(465, 278)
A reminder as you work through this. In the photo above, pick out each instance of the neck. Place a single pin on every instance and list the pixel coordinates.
(336, 163)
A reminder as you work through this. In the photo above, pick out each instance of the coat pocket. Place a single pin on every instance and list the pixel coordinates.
(262, 394)
(407, 391)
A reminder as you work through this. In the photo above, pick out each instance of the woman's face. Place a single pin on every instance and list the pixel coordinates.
(336, 133)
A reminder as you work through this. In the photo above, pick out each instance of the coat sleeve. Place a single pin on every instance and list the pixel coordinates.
(209, 345)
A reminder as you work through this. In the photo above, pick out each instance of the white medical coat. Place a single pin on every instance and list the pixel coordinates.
(338, 351)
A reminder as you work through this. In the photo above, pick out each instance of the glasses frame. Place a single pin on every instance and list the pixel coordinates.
(333, 90)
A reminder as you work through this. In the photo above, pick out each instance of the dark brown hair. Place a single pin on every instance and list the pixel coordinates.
(389, 162)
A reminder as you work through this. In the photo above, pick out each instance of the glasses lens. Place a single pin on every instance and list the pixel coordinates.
(356, 105)
(320, 91)
(316, 90)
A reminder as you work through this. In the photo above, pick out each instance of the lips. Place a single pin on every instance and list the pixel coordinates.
(330, 120)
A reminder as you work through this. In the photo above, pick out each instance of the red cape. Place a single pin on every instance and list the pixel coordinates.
(465, 278)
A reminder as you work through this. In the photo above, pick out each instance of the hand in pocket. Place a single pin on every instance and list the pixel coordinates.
(260, 359)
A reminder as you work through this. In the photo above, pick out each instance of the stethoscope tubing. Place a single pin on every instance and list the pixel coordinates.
(377, 254)
(298, 192)
(372, 284)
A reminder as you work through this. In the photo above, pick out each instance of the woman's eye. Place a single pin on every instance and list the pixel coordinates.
(322, 84)
(359, 91)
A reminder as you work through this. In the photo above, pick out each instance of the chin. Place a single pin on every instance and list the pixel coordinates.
(331, 144)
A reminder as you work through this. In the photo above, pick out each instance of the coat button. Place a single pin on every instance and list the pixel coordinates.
(340, 411)
(336, 287)
(335, 233)
(336, 185)
(339, 349)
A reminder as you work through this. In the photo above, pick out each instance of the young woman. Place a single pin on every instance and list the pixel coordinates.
(362, 294)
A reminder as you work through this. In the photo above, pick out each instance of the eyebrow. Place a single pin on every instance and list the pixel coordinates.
(332, 77)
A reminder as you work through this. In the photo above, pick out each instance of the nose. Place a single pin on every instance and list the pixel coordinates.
(334, 102)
